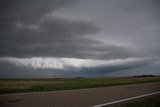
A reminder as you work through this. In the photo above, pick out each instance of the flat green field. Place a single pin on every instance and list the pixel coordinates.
(37, 85)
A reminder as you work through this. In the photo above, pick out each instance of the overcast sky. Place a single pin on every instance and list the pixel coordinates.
(79, 38)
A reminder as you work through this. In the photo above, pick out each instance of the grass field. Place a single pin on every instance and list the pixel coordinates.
(37, 85)
(153, 101)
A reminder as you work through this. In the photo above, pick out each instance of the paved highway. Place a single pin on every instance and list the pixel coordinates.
(79, 98)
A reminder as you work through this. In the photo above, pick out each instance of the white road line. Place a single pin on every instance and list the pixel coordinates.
(127, 99)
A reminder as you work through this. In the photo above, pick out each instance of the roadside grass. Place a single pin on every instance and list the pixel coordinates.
(153, 101)
(8, 86)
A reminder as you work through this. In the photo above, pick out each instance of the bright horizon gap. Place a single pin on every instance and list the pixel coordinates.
(61, 63)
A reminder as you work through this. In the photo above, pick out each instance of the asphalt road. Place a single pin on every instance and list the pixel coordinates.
(78, 98)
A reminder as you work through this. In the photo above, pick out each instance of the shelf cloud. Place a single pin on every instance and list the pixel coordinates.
(79, 35)
(86, 66)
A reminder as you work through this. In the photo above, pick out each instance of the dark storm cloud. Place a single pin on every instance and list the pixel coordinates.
(59, 37)
(32, 31)
(25, 11)
(29, 11)
(128, 65)
(127, 22)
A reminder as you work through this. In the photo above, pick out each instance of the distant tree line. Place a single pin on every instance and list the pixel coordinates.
(144, 76)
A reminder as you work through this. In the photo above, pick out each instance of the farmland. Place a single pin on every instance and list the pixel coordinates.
(8, 86)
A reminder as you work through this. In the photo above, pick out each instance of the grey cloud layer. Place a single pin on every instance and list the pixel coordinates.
(129, 23)
(29, 11)
(71, 29)
(27, 33)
